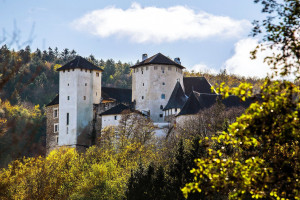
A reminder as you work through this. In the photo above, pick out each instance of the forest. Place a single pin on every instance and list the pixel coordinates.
(251, 153)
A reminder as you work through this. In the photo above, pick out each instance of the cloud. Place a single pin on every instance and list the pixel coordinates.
(203, 68)
(241, 64)
(158, 25)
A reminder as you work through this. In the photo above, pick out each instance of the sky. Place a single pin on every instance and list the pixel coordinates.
(206, 35)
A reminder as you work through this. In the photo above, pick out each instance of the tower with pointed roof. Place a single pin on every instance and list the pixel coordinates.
(152, 79)
(79, 90)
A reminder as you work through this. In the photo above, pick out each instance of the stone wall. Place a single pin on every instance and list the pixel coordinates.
(51, 136)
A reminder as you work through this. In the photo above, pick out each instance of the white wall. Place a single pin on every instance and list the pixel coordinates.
(153, 87)
(82, 83)
(109, 120)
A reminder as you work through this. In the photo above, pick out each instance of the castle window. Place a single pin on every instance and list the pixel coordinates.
(97, 74)
(115, 117)
(90, 71)
(142, 97)
(85, 84)
(147, 67)
(67, 118)
(160, 115)
(155, 67)
(84, 97)
(55, 113)
(169, 68)
(163, 96)
(96, 93)
(68, 70)
(57, 139)
(86, 70)
(163, 71)
(68, 97)
(161, 107)
(175, 109)
(163, 83)
(68, 84)
(143, 84)
(142, 72)
(56, 127)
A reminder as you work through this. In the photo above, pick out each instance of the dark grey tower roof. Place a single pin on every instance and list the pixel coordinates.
(158, 59)
(118, 109)
(191, 106)
(177, 99)
(79, 63)
(197, 102)
(198, 84)
(55, 101)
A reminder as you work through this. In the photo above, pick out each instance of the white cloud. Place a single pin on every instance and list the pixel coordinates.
(203, 68)
(153, 24)
(241, 64)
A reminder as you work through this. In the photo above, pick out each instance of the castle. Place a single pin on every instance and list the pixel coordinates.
(159, 92)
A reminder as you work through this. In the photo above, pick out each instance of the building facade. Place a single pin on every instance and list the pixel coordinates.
(159, 92)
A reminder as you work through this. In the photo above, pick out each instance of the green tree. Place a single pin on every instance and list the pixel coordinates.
(263, 162)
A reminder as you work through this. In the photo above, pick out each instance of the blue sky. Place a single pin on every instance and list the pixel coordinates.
(206, 35)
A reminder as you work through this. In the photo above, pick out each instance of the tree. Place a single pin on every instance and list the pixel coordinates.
(264, 159)
(280, 30)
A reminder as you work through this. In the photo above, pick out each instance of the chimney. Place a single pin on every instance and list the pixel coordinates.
(177, 60)
(144, 56)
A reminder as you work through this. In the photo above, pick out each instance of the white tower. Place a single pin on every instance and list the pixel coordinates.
(153, 80)
(79, 89)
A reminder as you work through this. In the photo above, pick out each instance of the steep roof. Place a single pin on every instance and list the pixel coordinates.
(177, 99)
(55, 101)
(119, 94)
(198, 84)
(80, 63)
(158, 59)
(208, 100)
(118, 109)
(191, 106)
